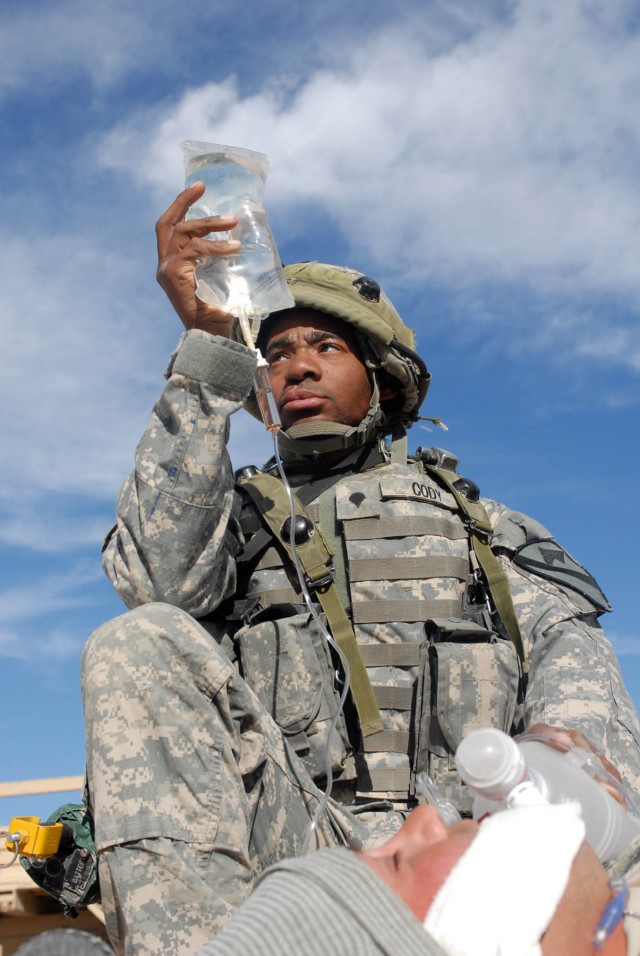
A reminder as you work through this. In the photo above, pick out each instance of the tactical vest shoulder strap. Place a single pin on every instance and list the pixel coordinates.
(357, 461)
(480, 530)
(270, 497)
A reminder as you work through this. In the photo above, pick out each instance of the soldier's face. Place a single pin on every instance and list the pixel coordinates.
(315, 369)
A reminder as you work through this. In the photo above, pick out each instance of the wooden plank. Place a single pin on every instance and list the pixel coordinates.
(22, 788)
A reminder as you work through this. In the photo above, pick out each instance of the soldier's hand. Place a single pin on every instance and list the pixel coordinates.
(560, 738)
(180, 246)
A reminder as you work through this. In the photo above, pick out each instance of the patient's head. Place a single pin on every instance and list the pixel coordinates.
(521, 877)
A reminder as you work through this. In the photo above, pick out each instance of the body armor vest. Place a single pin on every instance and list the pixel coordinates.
(411, 588)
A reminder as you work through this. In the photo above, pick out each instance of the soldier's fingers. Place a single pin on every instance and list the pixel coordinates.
(197, 248)
(171, 267)
(615, 793)
(180, 205)
(176, 213)
(556, 737)
(201, 227)
(563, 739)
(578, 739)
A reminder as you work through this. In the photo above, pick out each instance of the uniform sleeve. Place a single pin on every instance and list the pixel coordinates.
(176, 534)
(574, 675)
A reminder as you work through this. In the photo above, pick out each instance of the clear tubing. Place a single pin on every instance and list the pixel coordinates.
(261, 381)
(245, 327)
(266, 401)
(448, 812)
(322, 804)
(271, 419)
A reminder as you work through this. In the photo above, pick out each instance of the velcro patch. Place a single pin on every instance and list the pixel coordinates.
(548, 560)
(418, 488)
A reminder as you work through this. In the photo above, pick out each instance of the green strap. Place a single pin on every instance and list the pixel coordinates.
(335, 544)
(480, 530)
(272, 502)
(399, 446)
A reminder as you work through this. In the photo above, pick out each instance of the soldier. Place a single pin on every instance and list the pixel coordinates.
(209, 706)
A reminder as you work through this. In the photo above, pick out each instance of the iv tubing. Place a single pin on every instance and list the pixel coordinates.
(322, 805)
(274, 427)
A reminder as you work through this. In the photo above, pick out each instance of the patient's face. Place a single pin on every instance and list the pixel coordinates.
(417, 860)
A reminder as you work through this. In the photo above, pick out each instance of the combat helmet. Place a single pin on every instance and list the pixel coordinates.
(385, 343)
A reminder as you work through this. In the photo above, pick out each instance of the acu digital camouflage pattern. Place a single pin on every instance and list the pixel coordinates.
(407, 557)
(193, 788)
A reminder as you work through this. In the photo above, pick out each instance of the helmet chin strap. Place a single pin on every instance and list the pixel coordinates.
(308, 441)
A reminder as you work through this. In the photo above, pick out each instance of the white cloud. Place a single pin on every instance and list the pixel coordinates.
(24, 524)
(72, 370)
(54, 646)
(83, 348)
(50, 42)
(451, 148)
(509, 156)
(52, 593)
(31, 608)
(47, 45)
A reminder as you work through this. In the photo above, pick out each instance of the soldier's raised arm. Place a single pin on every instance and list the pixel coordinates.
(175, 535)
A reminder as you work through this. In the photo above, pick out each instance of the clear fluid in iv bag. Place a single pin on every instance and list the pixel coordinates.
(234, 181)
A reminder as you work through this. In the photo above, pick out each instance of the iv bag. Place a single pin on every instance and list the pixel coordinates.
(249, 283)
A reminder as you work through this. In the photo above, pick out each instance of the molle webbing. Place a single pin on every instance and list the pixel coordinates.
(397, 568)
(404, 527)
(384, 610)
(393, 698)
(388, 741)
(480, 531)
(385, 781)
(390, 655)
(270, 498)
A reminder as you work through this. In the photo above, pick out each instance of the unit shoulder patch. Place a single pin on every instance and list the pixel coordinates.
(547, 559)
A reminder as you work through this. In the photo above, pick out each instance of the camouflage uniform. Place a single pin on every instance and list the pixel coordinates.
(195, 789)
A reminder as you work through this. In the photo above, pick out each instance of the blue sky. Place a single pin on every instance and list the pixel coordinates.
(480, 159)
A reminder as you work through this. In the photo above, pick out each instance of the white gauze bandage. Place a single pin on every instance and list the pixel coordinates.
(501, 895)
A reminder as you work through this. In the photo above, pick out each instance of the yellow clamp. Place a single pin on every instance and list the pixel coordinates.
(33, 838)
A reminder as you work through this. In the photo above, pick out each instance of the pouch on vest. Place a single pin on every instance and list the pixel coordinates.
(71, 875)
(469, 680)
(287, 663)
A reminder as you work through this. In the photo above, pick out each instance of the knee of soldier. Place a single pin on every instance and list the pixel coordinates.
(152, 633)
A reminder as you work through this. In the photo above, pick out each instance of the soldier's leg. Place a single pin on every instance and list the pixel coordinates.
(193, 788)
